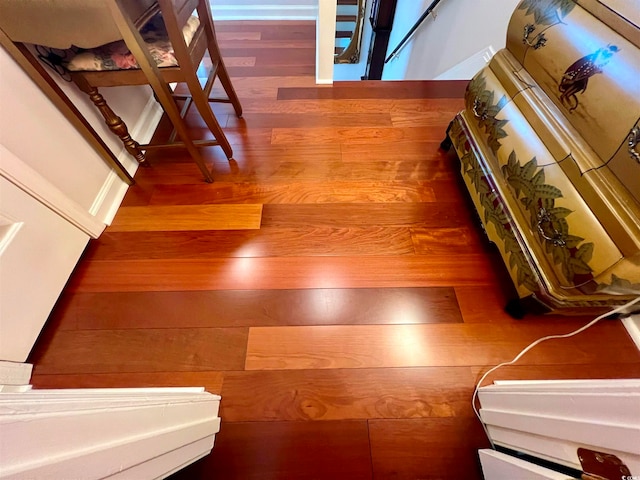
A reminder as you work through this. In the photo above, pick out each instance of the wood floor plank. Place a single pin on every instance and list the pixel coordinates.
(187, 217)
(237, 36)
(267, 167)
(239, 308)
(272, 70)
(239, 61)
(212, 381)
(274, 57)
(284, 120)
(415, 215)
(346, 106)
(267, 242)
(287, 451)
(247, 43)
(426, 448)
(246, 157)
(283, 273)
(261, 87)
(480, 304)
(147, 350)
(276, 348)
(289, 395)
(438, 241)
(424, 151)
(372, 89)
(296, 193)
(355, 135)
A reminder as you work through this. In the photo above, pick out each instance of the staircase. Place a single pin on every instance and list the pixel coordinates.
(346, 25)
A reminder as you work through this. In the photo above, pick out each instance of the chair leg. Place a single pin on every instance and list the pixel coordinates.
(204, 11)
(225, 80)
(203, 106)
(113, 121)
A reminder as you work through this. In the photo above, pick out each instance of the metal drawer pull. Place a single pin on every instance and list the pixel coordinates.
(540, 39)
(477, 106)
(634, 138)
(557, 237)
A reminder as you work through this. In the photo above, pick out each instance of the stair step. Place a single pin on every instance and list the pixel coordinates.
(346, 18)
(347, 2)
(343, 34)
(338, 50)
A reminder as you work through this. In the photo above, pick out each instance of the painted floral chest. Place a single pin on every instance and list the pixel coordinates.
(548, 146)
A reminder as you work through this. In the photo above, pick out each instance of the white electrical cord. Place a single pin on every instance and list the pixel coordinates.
(537, 342)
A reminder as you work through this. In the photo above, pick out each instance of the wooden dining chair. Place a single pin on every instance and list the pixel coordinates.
(164, 45)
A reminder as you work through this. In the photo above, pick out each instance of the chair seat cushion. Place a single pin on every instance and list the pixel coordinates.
(116, 55)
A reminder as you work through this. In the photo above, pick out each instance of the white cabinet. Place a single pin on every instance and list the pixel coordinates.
(38, 250)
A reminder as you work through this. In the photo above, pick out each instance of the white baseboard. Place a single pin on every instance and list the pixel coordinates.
(113, 190)
(14, 373)
(632, 324)
(466, 69)
(264, 12)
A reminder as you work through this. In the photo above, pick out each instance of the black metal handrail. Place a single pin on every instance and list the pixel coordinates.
(416, 25)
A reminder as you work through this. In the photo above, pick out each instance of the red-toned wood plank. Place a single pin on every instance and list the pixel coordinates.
(368, 346)
(266, 242)
(147, 350)
(264, 167)
(438, 241)
(347, 394)
(238, 308)
(272, 71)
(419, 215)
(283, 273)
(286, 451)
(373, 89)
(355, 135)
(481, 304)
(282, 120)
(341, 192)
(274, 57)
(427, 448)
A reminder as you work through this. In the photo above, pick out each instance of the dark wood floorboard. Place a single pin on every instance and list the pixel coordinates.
(334, 394)
(287, 451)
(251, 308)
(426, 448)
(347, 333)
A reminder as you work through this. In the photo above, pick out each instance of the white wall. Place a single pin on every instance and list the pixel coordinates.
(461, 29)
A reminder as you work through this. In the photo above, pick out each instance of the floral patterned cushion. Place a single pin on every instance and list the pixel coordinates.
(116, 55)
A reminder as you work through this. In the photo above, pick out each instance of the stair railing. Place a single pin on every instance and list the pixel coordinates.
(351, 53)
(413, 29)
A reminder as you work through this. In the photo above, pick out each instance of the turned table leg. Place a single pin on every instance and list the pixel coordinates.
(113, 121)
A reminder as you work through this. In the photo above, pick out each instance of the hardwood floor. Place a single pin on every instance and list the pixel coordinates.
(332, 284)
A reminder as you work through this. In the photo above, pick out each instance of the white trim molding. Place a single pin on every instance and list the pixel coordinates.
(551, 419)
(105, 433)
(325, 41)
(632, 324)
(34, 184)
(14, 374)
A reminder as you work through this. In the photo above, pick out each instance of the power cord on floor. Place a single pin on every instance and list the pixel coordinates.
(616, 310)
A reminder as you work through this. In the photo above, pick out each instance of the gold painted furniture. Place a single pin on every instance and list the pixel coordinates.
(154, 43)
(548, 147)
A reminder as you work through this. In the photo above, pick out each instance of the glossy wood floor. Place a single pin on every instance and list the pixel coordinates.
(332, 284)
